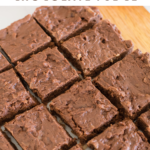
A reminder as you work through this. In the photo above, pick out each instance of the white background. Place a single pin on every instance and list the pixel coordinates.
(9, 14)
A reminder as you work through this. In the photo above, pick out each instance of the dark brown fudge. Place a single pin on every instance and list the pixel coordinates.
(127, 83)
(47, 73)
(121, 136)
(97, 48)
(22, 38)
(63, 22)
(4, 144)
(84, 109)
(13, 96)
(144, 123)
(77, 147)
(36, 129)
(4, 64)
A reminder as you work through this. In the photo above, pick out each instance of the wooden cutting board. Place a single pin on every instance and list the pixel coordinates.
(132, 21)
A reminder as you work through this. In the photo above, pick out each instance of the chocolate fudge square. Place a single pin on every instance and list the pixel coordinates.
(96, 48)
(36, 129)
(4, 64)
(47, 73)
(22, 38)
(77, 147)
(84, 109)
(127, 83)
(120, 136)
(4, 144)
(63, 22)
(13, 96)
(144, 123)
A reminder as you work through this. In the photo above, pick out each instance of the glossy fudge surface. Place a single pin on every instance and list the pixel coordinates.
(127, 83)
(62, 22)
(47, 73)
(84, 109)
(96, 48)
(120, 136)
(36, 129)
(13, 96)
(22, 38)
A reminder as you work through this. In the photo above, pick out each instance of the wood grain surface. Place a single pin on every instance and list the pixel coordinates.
(132, 21)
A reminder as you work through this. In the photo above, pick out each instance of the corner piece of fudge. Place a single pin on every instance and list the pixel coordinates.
(48, 73)
(38, 129)
(23, 38)
(13, 96)
(63, 22)
(120, 136)
(84, 109)
(127, 83)
(97, 48)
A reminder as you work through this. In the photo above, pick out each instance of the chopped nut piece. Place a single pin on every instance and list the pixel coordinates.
(145, 80)
(109, 135)
(123, 94)
(111, 61)
(118, 55)
(128, 103)
(79, 57)
(86, 71)
(61, 42)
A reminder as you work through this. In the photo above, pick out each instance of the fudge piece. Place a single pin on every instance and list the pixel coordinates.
(77, 147)
(4, 144)
(63, 22)
(144, 123)
(127, 83)
(36, 129)
(13, 96)
(96, 48)
(120, 136)
(4, 64)
(84, 109)
(22, 38)
(47, 73)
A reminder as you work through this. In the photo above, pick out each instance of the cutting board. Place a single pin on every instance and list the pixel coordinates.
(132, 21)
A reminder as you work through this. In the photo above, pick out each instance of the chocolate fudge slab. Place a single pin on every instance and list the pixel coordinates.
(63, 22)
(77, 147)
(84, 109)
(4, 144)
(13, 96)
(96, 48)
(47, 73)
(143, 123)
(4, 64)
(127, 83)
(22, 38)
(36, 129)
(120, 136)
